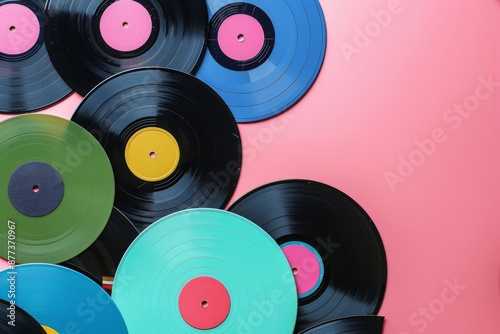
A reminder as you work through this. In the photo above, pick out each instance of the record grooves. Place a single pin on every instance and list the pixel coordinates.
(101, 259)
(59, 188)
(63, 300)
(28, 80)
(90, 40)
(172, 141)
(332, 245)
(15, 320)
(263, 55)
(205, 269)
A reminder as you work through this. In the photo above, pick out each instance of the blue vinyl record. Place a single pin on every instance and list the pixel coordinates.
(263, 56)
(61, 299)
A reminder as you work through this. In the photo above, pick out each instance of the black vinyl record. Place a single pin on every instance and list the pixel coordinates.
(79, 268)
(90, 40)
(28, 80)
(333, 247)
(101, 259)
(15, 320)
(172, 141)
(368, 324)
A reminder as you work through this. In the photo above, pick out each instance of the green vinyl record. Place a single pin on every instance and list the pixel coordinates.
(205, 271)
(56, 189)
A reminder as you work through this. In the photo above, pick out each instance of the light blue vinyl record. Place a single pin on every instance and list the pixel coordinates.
(61, 299)
(205, 271)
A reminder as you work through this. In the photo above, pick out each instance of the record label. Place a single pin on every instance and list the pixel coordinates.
(126, 25)
(49, 330)
(19, 29)
(241, 37)
(307, 266)
(36, 189)
(152, 154)
(204, 303)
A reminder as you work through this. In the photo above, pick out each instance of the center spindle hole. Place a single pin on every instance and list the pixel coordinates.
(204, 304)
(125, 25)
(152, 155)
(241, 38)
(12, 29)
(295, 271)
(36, 188)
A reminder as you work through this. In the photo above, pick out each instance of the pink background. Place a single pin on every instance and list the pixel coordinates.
(366, 111)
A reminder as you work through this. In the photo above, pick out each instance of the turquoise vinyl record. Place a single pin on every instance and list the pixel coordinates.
(61, 299)
(205, 271)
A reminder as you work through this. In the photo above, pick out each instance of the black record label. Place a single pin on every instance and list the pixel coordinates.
(332, 245)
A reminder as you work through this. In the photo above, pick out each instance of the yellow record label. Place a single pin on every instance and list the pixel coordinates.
(152, 154)
(49, 330)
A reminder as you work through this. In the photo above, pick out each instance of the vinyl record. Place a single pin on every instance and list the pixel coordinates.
(368, 324)
(63, 300)
(58, 189)
(172, 141)
(94, 277)
(28, 80)
(15, 320)
(90, 40)
(263, 56)
(101, 259)
(333, 247)
(205, 270)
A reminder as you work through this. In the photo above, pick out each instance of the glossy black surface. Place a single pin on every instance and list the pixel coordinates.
(28, 81)
(83, 59)
(101, 259)
(339, 229)
(24, 322)
(200, 121)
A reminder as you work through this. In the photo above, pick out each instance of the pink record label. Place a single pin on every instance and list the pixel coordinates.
(204, 303)
(241, 37)
(306, 265)
(19, 29)
(126, 25)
